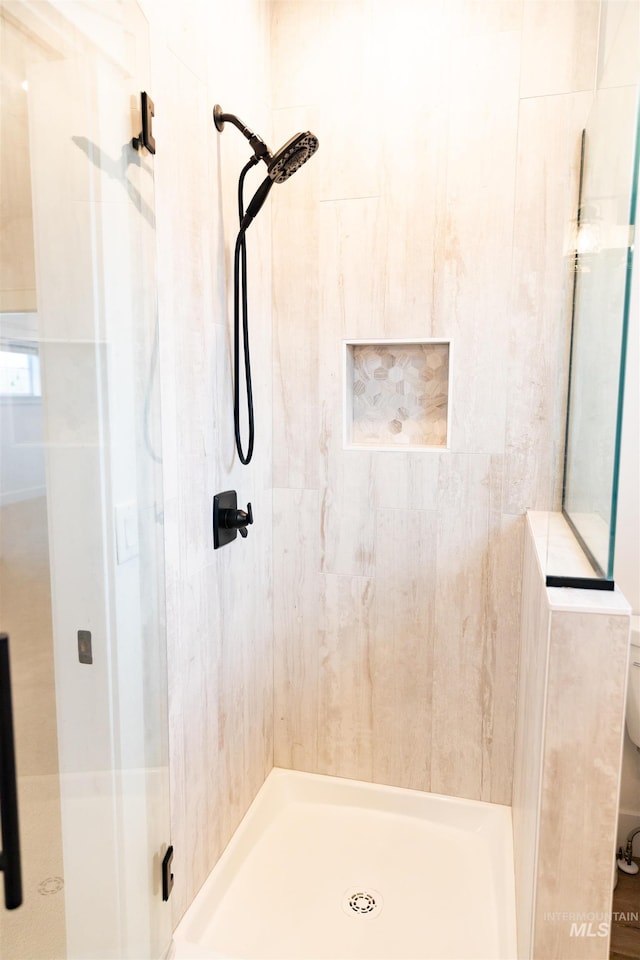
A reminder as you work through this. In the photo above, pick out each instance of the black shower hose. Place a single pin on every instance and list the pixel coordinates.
(240, 304)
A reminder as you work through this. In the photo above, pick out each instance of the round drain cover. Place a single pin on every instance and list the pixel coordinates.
(362, 902)
(50, 886)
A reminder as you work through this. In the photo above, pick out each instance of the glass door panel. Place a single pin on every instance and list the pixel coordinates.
(81, 540)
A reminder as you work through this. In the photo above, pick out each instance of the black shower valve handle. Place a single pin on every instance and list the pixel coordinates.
(248, 518)
(238, 519)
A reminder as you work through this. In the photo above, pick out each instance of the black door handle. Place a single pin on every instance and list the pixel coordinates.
(10, 853)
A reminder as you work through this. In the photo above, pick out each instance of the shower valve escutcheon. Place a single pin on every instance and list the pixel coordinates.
(228, 520)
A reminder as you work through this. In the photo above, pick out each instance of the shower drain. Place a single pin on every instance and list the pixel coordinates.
(362, 902)
(50, 886)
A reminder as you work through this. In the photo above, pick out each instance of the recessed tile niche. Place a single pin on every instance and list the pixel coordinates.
(397, 394)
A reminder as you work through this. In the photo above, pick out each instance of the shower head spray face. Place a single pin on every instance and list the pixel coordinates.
(291, 156)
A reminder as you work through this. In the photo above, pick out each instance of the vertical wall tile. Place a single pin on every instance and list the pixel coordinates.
(534, 648)
(220, 603)
(347, 523)
(243, 639)
(487, 16)
(458, 676)
(559, 46)
(402, 647)
(351, 300)
(349, 309)
(345, 690)
(296, 312)
(618, 63)
(409, 144)
(233, 638)
(406, 481)
(501, 642)
(313, 54)
(316, 62)
(474, 233)
(296, 613)
(195, 727)
(349, 130)
(579, 797)
(541, 286)
(347, 526)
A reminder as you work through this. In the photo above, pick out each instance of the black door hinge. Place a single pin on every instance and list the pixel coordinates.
(145, 137)
(167, 876)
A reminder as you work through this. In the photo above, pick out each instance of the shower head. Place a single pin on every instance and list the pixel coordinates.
(280, 167)
(289, 157)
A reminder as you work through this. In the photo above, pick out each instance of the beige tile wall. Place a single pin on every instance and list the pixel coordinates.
(581, 775)
(571, 696)
(218, 603)
(438, 205)
(534, 655)
(17, 267)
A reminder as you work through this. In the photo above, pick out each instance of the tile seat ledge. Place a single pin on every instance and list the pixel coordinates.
(558, 552)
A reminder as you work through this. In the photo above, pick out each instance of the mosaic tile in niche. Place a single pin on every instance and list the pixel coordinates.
(400, 394)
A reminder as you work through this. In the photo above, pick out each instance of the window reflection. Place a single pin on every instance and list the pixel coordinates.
(19, 370)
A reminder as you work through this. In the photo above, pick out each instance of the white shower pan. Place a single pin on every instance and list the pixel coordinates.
(328, 869)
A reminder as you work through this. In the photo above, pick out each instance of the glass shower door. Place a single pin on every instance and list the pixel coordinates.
(81, 538)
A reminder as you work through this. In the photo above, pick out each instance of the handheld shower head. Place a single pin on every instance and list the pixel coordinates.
(291, 156)
(280, 167)
(256, 203)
